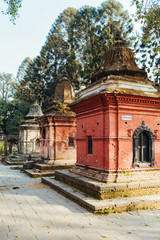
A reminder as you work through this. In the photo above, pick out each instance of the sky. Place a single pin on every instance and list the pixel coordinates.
(26, 38)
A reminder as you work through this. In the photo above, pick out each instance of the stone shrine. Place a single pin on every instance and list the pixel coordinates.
(58, 128)
(29, 132)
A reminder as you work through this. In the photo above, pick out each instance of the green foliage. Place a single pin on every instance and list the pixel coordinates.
(23, 68)
(12, 9)
(148, 14)
(74, 49)
(31, 85)
(94, 30)
(78, 40)
(7, 84)
(12, 114)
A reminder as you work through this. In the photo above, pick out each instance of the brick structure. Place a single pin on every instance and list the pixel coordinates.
(118, 116)
(58, 128)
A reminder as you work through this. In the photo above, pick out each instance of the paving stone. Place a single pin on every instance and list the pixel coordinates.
(36, 212)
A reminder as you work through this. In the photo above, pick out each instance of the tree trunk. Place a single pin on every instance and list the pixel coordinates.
(10, 148)
(5, 145)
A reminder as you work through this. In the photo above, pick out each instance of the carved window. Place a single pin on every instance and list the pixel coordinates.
(71, 142)
(90, 144)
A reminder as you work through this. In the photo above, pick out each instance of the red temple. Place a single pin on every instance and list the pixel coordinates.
(118, 116)
(58, 128)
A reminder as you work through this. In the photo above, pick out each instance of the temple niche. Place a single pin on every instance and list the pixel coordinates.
(29, 132)
(58, 128)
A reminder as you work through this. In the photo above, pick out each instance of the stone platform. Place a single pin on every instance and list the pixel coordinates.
(106, 197)
(121, 176)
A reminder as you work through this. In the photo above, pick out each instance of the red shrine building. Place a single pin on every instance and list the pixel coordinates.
(58, 128)
(118, 116)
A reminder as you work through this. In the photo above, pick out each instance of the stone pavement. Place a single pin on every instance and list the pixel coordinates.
(30, 210)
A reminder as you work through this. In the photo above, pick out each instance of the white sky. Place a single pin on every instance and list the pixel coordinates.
(26, 38)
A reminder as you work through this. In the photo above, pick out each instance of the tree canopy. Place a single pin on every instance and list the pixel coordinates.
(148, 13)
(12, 8)
(74, 49)
(12, 112)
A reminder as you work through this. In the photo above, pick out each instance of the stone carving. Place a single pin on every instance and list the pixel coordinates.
(130, 131)
(156, 133)
(143, 128)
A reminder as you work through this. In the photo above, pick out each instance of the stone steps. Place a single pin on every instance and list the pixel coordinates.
(43, 166)
(14, 162)
(101, 190)
(35, 173)
(104, 206)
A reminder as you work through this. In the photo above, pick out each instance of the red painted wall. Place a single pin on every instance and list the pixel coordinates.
(57, 132)
(103, 117)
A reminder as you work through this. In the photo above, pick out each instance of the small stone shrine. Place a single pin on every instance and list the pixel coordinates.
(58, 128)
(29, 132)
(118, 138)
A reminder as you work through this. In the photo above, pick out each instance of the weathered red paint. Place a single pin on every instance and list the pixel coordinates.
(100, 116)
(54, 143)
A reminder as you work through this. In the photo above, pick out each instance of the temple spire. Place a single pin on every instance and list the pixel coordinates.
(119, 60)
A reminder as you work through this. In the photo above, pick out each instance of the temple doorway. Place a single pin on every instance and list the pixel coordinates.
(143, 146)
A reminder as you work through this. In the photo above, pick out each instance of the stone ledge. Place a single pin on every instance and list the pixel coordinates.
(34, 174)
(124, 176)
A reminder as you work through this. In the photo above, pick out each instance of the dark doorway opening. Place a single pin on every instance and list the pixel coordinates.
(143, 146)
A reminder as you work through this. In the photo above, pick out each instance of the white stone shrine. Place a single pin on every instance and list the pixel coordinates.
(29, 132)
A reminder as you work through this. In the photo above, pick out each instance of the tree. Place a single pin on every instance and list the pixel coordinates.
(78, 40)
(12, 9)
(12, 114)
(94, 31)
(31, 85)
(148, 13)
(59, 51)
(6, 86)
(74, 49)
(22, 69)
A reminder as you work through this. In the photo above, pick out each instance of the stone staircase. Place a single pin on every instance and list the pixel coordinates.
(102, 197)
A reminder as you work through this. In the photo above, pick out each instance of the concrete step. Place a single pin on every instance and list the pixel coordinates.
(104, 206)
(14, 162)
(44, 166)
(35, 173)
